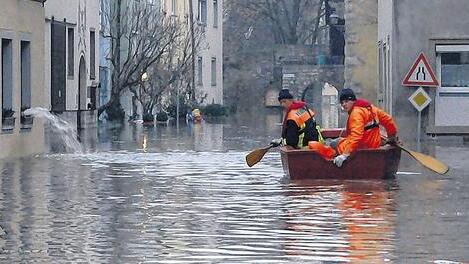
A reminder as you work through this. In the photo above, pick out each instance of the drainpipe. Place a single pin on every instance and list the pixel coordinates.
(191, 22)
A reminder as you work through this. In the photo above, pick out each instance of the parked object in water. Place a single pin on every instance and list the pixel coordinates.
(195, 116)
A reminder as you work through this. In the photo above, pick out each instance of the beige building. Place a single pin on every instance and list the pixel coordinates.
(22, 78)
(207, 14)
(361, 25)
(72, 59)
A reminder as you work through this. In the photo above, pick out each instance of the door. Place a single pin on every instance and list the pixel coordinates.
(81, 91)
(58, 91)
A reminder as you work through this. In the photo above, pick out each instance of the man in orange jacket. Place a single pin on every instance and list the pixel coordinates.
(362, 126)
(299, 126)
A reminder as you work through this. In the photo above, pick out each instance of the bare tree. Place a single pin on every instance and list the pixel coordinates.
(141, 37)
(171, 72)
(291, 21)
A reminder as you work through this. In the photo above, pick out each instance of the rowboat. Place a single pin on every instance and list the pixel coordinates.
(381, 163)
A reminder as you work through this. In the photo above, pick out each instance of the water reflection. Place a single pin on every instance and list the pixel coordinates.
(200, 207)
(344, 221)
(162, 195)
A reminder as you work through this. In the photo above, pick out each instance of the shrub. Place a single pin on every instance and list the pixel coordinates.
(147, 117)
(7, 112)
(214, 110)
(161, 117)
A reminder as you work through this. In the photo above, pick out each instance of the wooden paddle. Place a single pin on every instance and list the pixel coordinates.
(427, 161)
(256, 155)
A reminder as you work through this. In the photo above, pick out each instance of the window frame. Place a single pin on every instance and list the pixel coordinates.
(449, 48)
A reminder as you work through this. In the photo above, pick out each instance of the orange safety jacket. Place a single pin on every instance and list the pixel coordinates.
(363, 127)
(300, 114)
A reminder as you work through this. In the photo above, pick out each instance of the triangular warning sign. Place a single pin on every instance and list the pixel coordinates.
(420, 74)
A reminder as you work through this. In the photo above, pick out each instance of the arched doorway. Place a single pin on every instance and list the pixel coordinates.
(81, 91)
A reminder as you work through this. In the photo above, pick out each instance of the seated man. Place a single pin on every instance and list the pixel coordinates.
(299, 126)
(362, 126)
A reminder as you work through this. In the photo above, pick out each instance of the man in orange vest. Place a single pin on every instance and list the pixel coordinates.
(362, 126)
(299, 126)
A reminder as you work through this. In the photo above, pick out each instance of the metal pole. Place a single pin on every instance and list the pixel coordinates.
(418, 130)
(177, 106)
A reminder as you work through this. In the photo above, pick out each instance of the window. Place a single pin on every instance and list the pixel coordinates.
(214, 71)
(452, 98)
(92, 55)
(7, 76)
(454, 66)
(199, 71)
(384, 71)
(215, 13)
(174, 7)
(25, 75)
(70, 52)
(202, 14)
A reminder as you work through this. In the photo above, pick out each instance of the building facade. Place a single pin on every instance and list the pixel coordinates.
(72, 60)
(207, 15)
(405, 29)
(22, 78)
(361, 25)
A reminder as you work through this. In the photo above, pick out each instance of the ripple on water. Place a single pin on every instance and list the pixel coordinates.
(198, 207)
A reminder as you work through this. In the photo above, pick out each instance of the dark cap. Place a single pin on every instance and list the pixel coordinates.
(347, 94)
(284, 94)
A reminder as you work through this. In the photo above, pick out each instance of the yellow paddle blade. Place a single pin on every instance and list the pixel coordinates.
(427, 161)
(256, 155)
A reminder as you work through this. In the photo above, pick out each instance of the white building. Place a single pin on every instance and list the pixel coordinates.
(22, 78)
(72, 59)
(209, 61)
(404, 31)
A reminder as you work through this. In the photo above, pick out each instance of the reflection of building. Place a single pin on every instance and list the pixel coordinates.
(72, 65)
(404, 31)
(208, 137)
(22, 67)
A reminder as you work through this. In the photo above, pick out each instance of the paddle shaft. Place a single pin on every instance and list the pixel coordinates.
(426, 160)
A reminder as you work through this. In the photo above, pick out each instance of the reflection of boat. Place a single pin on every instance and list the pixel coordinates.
(349, 221)
(379, 163)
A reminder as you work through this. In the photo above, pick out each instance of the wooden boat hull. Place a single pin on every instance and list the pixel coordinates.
(379, 163)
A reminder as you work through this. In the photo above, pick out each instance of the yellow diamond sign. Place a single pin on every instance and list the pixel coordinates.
(420, 99)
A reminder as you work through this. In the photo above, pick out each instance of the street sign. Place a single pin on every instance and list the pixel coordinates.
(420, 74)
(420, 99)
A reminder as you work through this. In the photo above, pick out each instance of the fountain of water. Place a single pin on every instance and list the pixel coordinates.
(59, 126)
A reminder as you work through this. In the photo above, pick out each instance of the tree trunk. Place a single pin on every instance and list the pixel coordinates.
(113, 107)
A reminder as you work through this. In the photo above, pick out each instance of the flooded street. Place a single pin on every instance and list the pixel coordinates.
(168, 195)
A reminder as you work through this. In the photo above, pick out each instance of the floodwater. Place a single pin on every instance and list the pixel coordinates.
(167, 195)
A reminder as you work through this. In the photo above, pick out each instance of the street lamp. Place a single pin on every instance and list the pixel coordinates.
(144, 77)
(333, 18)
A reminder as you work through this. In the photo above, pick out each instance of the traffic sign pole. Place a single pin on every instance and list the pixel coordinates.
(419, 100)
(419, 124)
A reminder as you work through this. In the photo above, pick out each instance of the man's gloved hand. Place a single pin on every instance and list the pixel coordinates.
(276, 142)
(339, 160)
(393, 140)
